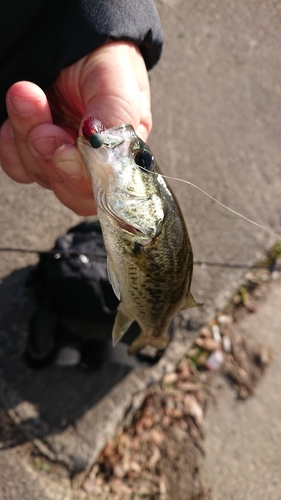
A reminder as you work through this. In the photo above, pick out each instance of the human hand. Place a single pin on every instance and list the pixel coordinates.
(37, 142)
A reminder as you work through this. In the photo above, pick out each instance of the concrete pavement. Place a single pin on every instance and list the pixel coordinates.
(243, 438)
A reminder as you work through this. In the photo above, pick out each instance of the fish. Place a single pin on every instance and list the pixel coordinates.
(149, 253)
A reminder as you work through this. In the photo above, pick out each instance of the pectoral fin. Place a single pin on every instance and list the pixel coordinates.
(121, 325)
(190, 302)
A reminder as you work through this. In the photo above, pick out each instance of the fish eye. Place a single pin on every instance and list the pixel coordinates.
(145, 160)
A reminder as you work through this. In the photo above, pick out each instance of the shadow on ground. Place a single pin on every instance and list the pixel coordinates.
(44, 402)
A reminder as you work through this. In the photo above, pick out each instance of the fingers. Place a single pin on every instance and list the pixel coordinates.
(75, 189)
(34, 149)
(63, 167)
(43, 141)
(110, 84)
(9, 157)
(27, 108)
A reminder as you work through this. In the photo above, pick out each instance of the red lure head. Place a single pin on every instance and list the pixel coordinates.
(91, 126)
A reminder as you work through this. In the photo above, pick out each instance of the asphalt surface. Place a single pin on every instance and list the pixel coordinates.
(216, 106)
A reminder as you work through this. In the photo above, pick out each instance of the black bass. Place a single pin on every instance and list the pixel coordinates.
(149, 254)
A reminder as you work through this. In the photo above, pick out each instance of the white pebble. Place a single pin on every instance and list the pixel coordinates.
(216, 333)
(226, 344)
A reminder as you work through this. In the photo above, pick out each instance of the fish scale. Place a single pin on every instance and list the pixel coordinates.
(149, 253)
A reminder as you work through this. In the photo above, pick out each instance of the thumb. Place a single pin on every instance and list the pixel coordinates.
(115, 87)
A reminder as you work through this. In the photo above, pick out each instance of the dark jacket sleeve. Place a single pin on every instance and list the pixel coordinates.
(40, 37)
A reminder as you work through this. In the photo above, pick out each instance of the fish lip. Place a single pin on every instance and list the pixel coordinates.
(112, 140)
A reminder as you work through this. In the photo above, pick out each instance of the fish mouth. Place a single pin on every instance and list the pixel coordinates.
(97, 136)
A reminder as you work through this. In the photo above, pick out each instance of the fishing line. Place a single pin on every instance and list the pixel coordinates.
(214, 199)
(67, 254)
(64, 254)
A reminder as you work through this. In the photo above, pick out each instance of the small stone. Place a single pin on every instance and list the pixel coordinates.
(216, 333)
(275, 275)
(94, 472)
(162, 486)
(135, 467)
(251, 308)
(99, 481)
(177, 413)
(226, 344)
(243, 375)
(118, 471)
(170, 378)
(90, 486)
(117, 486)
(166, 421)
(264, 357)
(225, 319)
(179, 434)
(205, 332)
(147, 422)
(155, 457)
(157, 437)
(243, 392)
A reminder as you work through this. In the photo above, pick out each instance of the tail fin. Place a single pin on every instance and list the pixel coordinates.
(144, 339)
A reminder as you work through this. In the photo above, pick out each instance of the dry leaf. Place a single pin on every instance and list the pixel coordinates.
(208, 344)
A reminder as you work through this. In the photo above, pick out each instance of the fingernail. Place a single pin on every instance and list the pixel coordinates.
(46, 146)
(71, 168)
(23, 107)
